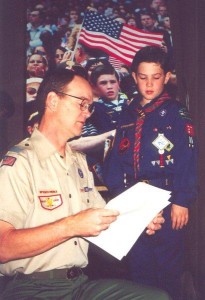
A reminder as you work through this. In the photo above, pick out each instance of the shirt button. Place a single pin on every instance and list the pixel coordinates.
(88, 201)
(70, 195)
(75, 243)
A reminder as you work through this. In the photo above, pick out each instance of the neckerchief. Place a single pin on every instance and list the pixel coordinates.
(141, 113)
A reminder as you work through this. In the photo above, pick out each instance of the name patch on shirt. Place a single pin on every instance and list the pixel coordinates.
(51, 202)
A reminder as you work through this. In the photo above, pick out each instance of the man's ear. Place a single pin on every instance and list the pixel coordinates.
(167, 76)
(134, 77)
(52, 101)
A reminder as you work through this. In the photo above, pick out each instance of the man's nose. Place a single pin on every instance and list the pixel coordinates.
(86, 113)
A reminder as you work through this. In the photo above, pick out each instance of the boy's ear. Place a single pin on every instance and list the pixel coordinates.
(167, 76)
(134, 77)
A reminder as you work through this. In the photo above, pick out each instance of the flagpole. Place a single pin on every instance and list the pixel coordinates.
(76, 43)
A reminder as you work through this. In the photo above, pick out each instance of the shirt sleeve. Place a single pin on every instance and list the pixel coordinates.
(15, 191)
(185, 155)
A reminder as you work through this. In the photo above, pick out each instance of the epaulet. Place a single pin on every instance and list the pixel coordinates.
(25, 144)
(16, 149)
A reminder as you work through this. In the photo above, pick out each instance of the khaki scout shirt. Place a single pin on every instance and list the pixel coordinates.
(39, 187)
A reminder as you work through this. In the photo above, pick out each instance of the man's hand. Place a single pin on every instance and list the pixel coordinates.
(155, 224)
(179, 216)
(91, 222)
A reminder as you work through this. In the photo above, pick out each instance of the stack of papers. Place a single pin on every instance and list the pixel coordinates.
(137, 206)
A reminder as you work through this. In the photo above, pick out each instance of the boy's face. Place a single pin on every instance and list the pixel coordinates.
(107, 87)
(167, 23)
(147, 22)
(150, 79)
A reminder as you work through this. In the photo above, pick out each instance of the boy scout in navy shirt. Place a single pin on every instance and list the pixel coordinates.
(155, 143)
(105, 81)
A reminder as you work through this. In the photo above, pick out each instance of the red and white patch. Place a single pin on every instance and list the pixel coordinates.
(190, 129)
(8, 161)
(51, 202)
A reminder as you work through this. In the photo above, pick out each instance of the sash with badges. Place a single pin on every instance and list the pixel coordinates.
(160, 141)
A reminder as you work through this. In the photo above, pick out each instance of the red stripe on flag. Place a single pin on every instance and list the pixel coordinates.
(116, 63)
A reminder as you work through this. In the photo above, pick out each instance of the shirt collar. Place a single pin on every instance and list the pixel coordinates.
(41, 145)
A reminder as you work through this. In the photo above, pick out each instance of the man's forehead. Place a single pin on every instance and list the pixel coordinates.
(80, 86)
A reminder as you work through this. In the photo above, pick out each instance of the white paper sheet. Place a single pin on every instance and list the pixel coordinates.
(137, 206)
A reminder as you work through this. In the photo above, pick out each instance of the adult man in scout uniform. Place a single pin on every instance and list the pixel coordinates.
(48, 204)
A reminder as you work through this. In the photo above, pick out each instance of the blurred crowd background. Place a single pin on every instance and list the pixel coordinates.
(52, 32)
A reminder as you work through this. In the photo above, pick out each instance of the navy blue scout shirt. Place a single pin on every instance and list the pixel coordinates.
(172, 121)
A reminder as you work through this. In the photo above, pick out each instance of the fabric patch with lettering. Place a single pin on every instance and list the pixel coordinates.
(51, 202)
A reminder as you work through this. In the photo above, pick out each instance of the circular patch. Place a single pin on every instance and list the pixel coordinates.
(124, 145)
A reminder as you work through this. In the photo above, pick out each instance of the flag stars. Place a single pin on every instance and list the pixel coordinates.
(100, 23)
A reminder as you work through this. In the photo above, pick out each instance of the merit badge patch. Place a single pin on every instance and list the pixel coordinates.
(8, 161)
(51, 202)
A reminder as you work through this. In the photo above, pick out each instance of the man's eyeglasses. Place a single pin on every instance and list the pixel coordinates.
(84, 105)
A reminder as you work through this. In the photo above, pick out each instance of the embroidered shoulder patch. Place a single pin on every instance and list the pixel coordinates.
(185, 114)
(8, 161)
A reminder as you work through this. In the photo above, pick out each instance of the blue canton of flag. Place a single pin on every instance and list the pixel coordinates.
(102, 24)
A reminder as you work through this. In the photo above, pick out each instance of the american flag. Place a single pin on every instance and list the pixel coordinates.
(119, 40)
(116, 63)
